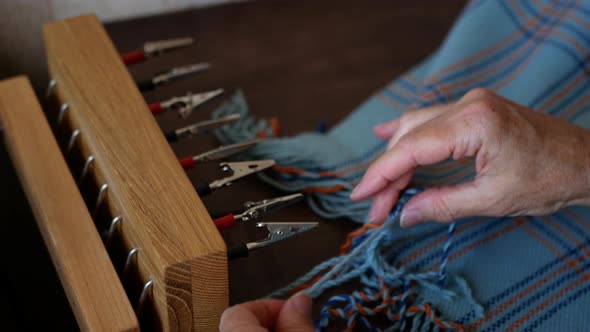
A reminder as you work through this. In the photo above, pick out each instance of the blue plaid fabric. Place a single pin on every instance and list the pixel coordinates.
(529, 273)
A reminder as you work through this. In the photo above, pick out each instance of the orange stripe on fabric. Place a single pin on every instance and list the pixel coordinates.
(528, 290)
(575, 107)
(288, 170)
(544, 31)
(510, 227)
(324, 190)
(581, 221)
(531, 23)
(442, 238)
(585, 276)
(515, 325)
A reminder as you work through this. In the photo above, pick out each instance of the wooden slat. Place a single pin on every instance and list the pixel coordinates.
(180, 248)
(93, 288)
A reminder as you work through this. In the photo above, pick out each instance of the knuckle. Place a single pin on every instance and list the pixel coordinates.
(442, 210)
(406, 120)
(481, 108)
(484, 115)
(478, 93)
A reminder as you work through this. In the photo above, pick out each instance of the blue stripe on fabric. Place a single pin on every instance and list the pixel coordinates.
(468, 69)
(557, 307)
(465, 239)
(555, 42)
(498, 75)
(529, 279)
(575, 95)
(536, 296)
(395, 97)
(549, 232)
(406, 85)
(485, 62)
(562, 81)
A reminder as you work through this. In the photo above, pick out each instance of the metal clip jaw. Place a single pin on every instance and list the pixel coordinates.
(196, 100)
(159, 47)
(225, 151)
(239, 170)
(257, 209)
(178, 72)
(279, 231)
(177, 102)
(186, 104)
(200, 127)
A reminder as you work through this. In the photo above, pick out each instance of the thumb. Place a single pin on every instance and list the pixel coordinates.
(295, 316)
(445, 204)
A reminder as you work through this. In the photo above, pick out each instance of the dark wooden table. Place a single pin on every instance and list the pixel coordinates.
(303, 61)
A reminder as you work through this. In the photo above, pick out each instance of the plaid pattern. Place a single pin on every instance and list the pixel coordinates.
(529, 273)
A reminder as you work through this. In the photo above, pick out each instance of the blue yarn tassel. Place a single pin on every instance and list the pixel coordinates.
(366, 262)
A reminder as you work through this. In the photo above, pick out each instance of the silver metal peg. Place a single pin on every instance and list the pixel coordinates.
(89, 161)
(112, 228)
(62, 112)
(130, 256)
(147, 288)
(72, 141)
(50, 88)
(102, 193)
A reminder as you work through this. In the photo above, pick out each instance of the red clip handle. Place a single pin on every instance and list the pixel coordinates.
(188, 163)
(133, 57)
(156, 108)
(225, 222)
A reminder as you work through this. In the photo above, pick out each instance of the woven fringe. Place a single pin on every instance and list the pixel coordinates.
(328, 196)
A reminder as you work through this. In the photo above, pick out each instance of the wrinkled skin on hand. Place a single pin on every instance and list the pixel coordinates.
(527, 163)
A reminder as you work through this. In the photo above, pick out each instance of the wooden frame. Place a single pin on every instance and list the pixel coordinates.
(179, 248)
(90, 281)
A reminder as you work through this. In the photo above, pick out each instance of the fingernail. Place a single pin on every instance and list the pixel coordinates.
(302, 303)
(355, 192)
(409, 218)
(363, 187)
(358, 191)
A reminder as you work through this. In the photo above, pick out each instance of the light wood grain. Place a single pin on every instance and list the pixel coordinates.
(93, 288)
(180, 248)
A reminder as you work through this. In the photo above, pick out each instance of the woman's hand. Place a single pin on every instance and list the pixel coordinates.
(527, 163)
(293, 315)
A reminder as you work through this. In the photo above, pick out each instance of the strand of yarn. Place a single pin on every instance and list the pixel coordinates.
(387, 290)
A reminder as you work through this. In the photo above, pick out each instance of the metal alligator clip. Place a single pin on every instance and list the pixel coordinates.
(154, 48)
(178, 72)
(172, 74)
(200, 127)
(278, 231)
(157, 47)
(256, 210)
(238, 170)
(216, 154)
(187, 104)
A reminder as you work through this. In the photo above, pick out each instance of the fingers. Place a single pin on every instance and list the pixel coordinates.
(428, 144)
(384, 200)
(382, 204)
(295, 316)
(256, 316)
(395, 129)
(446, 204)
(414, 119)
